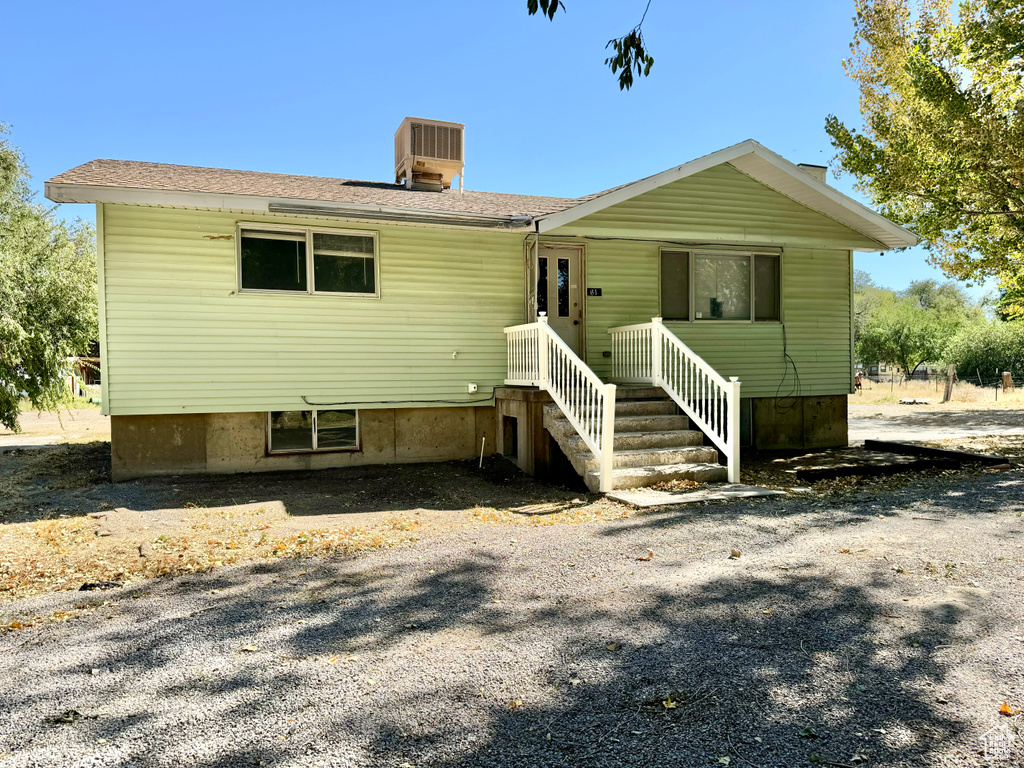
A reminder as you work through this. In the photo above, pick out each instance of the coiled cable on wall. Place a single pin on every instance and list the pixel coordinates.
(789, 401)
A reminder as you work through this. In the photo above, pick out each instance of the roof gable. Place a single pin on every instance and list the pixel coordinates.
(761, 165)
(719, 204)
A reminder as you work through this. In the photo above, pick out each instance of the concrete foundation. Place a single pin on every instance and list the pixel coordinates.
(806, 422)
(522, 438)
(817, 421)
(237, 442)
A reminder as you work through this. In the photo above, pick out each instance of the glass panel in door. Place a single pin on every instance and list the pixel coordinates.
(559, 293)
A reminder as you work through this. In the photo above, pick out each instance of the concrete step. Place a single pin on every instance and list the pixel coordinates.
(559, 426)
(632, 392)
(661, 407)
(640, 477)
(635, 441)
(585, 461)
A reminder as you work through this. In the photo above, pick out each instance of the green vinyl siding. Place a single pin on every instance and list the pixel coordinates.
(723, 205)
(180, 338)
(816, 313)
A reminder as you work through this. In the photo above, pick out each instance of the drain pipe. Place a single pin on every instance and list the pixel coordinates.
(532, 288)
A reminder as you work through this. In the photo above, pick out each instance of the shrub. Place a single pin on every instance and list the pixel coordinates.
(988, 348)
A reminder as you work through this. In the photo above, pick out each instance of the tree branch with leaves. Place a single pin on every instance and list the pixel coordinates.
(942, 145)
(630, 50)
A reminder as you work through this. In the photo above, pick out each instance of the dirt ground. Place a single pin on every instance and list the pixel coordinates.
(876, 629)
(923, 423)
(45, 428)
(63, 524)
(444, 615)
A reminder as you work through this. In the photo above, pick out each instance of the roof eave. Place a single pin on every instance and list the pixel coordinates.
(62, 192)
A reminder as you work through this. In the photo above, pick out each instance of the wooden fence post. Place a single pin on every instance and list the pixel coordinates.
(1007, 381)
(950, 375)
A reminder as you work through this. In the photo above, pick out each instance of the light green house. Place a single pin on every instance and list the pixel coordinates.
(254, 321)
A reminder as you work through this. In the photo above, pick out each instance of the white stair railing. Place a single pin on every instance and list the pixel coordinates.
(538, 357)
(649, 353)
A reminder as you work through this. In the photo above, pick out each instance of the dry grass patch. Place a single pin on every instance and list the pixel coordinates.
(50, 555)
(554, 513)
(964, 393)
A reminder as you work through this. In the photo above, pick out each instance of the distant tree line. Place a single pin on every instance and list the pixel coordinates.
(937, 323)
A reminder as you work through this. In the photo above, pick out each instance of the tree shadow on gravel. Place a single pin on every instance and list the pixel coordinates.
(725, 678)
(377, 662)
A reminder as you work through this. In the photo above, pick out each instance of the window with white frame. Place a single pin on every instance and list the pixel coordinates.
(305, 431)
(307, 260)
(726, 286)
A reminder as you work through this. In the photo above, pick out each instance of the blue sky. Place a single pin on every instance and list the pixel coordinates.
(319, 88)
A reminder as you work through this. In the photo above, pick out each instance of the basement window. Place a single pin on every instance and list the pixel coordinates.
(724, 286)
(305, 260)
(307, 431)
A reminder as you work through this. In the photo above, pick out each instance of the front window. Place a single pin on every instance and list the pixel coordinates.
(308, 261)
(303, 431)
(701, 285)
(675, 285)
(721, 286)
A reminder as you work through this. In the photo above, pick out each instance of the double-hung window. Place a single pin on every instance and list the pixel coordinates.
(305, 260)
(705, 285)
(303, 431)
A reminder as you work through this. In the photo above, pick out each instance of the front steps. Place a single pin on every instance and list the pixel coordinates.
(653, 443)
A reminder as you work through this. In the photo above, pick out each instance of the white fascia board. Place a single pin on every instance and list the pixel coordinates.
(88, 193)
(803, 189)
(897, 236)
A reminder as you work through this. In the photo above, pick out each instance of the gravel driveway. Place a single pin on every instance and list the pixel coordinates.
(868, 631)
(916, 423)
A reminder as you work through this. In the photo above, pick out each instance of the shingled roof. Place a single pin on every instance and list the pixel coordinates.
(126, 181)
(129, 174)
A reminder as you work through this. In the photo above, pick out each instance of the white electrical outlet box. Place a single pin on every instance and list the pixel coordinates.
(472, 389)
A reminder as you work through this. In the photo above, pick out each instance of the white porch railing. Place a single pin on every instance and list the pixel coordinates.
(538, 357)
(649, 353)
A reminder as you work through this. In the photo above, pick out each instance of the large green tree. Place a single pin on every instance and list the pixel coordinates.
(47, 293)
(911, 326)
(942, 144)
(902, 332)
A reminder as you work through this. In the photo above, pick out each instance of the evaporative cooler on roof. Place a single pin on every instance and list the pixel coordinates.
(429, 154)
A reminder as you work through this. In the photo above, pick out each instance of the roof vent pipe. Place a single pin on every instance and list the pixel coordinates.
(820, 172)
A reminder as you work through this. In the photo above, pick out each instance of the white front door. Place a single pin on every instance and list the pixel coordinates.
(559, 282)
